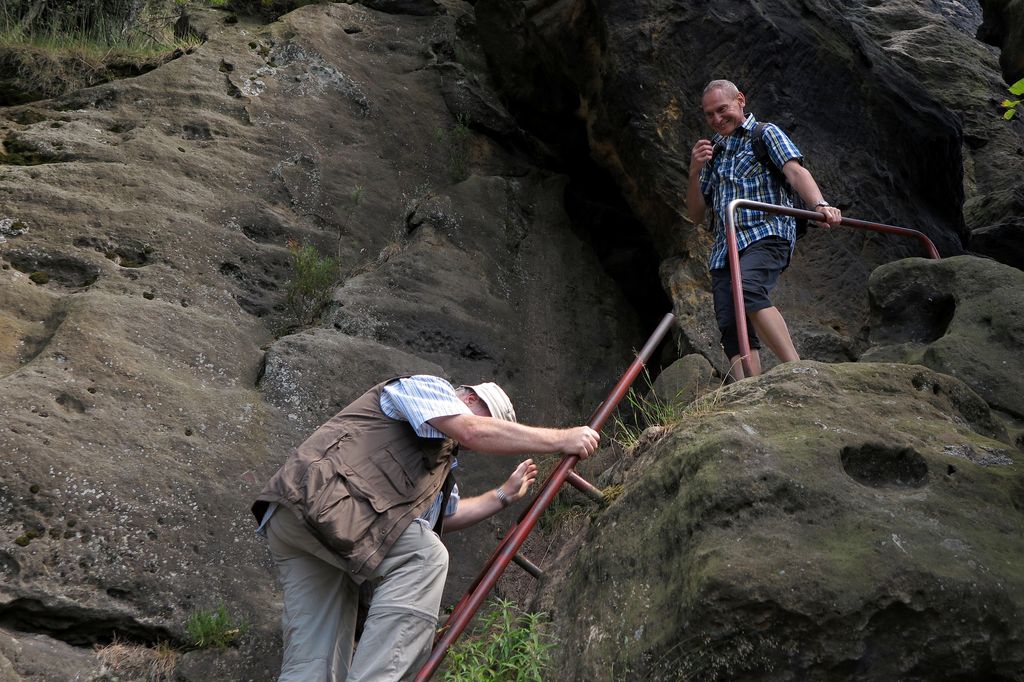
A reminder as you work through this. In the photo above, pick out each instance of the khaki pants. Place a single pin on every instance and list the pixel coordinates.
(321, 602)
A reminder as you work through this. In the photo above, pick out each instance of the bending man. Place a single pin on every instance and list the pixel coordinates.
(725, 168)
(364, 498)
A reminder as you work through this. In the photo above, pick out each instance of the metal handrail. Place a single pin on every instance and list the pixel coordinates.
(467, 607)
(734, 257)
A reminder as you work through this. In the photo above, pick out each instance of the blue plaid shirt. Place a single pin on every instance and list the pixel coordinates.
(736, 174)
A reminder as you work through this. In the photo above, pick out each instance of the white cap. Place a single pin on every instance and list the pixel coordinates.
(496, 400)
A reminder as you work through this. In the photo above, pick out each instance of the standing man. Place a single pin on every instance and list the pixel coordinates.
(364, 499)
(725, 168)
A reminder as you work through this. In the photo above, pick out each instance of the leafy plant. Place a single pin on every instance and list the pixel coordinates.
(214, 628)
(1011, 105)
(508, 645)
(315, 276)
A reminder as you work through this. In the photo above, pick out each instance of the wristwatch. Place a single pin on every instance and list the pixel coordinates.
(822, 203)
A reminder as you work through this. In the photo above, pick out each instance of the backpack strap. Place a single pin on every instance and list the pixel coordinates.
(762, 156)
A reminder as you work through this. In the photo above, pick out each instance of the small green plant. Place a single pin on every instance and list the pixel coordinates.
(214, 628)
(315, 276)
(1012, 105)
(456, 142)
(508, 645)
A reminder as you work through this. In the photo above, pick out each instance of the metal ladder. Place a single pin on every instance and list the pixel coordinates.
(508, 550)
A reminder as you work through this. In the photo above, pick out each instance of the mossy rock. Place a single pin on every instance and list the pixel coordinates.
(803, 530)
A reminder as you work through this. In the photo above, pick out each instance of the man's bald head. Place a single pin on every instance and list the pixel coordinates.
(727, 87)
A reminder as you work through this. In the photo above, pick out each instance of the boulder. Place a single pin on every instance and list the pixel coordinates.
(821, 522)
(959, 316)
(682, 381)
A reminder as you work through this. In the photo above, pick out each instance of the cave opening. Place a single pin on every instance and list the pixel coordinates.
(622, 243)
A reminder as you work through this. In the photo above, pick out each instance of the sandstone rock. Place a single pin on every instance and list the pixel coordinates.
(960, 316)
(137, 427)
(797, 531)
(313, 374)
(634, 73)
(1005, 236)
(682, 381)
(415, 7)
(38, 658)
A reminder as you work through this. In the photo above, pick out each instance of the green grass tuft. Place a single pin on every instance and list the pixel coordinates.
(208, 628)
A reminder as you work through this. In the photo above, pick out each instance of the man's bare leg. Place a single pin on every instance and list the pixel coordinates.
(736, 366)
(772, 330)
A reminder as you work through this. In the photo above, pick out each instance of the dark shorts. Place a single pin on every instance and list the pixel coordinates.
(761, 263)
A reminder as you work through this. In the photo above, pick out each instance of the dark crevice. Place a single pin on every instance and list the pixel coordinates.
(529, 70)
(620, 241)
(78, 625)
(61, 268)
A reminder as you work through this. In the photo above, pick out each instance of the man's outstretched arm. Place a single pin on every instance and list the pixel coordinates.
(474, 509)
(499, 437)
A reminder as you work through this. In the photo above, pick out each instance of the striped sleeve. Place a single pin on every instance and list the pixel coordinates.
(780, 148)
(418, 399)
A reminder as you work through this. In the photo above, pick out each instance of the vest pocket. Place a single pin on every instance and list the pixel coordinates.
(339, 517)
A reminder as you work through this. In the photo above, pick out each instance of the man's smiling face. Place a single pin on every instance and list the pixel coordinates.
(724, 111)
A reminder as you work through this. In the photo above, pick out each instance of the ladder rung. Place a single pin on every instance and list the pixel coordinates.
(528, 566)
(584, 486)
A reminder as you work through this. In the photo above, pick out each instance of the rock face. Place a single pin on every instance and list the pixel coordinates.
(823, 522)
(499, 185)
(152, 378)
(912, 135)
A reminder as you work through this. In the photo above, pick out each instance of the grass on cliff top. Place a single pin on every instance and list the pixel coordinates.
(38, 62)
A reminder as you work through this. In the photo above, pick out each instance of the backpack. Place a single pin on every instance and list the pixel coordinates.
(761, 154)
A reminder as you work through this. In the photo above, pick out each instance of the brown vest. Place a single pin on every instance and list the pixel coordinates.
(359, 481)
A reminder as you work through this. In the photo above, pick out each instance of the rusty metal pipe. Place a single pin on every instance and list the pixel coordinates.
(514, 539)
(585, 487)
(734, 257)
